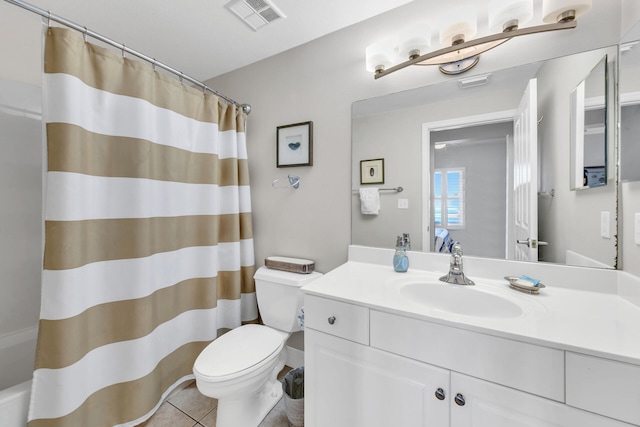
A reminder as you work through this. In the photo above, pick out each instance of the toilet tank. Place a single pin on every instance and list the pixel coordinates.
(280, 298)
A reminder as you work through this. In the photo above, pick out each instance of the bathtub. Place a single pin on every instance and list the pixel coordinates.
(17, 354)
(14, 405)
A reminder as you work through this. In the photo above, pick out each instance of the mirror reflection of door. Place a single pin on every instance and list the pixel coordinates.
(469, 196)
(524, 241)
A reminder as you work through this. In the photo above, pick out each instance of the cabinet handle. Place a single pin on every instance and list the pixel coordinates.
(459, 399)
(331, 320)
(440, 394)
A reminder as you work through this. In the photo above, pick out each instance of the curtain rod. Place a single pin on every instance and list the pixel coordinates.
(50, 16)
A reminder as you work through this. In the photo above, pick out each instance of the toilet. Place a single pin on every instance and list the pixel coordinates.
(240, 368)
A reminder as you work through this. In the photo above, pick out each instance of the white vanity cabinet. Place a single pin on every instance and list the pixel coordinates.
(365, 367)
(348, 383)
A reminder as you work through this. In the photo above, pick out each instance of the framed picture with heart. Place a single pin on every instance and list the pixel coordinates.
(294, 145)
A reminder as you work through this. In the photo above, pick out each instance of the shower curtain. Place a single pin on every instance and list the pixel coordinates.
(148, 240)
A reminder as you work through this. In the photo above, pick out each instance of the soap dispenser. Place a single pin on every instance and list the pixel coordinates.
(407, 241)
(400, 258)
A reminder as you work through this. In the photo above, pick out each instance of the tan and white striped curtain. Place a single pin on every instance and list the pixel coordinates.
(148, 238)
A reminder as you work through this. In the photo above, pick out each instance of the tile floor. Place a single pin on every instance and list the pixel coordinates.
(189, 408)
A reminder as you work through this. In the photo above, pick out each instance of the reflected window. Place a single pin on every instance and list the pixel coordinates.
(448, 198)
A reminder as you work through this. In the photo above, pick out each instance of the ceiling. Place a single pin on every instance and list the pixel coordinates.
(204, 39)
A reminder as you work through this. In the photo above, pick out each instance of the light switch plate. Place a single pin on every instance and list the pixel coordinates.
(403, 203)
(605, 224)
(637, 221)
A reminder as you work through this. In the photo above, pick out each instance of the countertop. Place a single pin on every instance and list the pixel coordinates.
(595, 323)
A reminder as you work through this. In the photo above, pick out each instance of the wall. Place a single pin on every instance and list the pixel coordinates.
(630, 15)
(631, 206)
(21, 58)
(20, 193)
(319, 81)
(629, 144)
(21, 231)
(384, 137)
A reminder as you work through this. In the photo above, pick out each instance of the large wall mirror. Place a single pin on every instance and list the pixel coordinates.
(466, 132)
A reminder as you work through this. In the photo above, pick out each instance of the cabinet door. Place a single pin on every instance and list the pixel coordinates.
(350, 385)
(491, 405)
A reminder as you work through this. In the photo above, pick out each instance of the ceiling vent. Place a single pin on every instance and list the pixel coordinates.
(255, 13)
(474, 81)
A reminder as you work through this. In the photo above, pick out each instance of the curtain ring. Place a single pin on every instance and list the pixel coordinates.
(181, 74)
(85, 34)
(48, 18)
(153, 64)
(123, 48)
(204, 89)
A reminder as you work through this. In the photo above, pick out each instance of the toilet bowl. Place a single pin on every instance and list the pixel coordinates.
(240, 368)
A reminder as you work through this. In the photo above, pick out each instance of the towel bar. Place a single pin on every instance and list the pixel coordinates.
(396, 189)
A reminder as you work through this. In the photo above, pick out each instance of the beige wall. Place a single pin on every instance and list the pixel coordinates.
(630, 207)
(630, 15)
(20, 45)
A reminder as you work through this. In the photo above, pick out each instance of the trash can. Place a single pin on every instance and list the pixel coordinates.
(293, 388)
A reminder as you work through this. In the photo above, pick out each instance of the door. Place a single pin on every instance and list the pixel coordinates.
(428, 165)
(352, 385)
(525, 176)
(478, 403)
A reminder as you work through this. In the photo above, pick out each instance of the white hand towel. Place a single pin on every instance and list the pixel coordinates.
(369, 201)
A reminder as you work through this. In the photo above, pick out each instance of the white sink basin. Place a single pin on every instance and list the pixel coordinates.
(460, 299)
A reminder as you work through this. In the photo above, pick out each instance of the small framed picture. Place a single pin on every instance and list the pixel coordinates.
(372, 171)
(294, 145)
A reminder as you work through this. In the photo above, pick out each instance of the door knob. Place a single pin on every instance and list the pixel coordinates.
(331, 320)
(459, 399)
(532, 243)
(440, 394)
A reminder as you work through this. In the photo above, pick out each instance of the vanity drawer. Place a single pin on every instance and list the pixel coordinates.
(604, 386)
(527, 367)
(337, 318)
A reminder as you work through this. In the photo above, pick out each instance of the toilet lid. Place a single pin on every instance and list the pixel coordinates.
(238, 350)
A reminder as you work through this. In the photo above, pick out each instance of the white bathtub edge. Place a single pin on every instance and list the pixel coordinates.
(14, 405)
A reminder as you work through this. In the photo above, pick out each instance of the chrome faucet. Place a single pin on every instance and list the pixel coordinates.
(456, 275)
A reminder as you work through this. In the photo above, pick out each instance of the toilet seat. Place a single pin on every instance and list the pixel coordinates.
(237, 352)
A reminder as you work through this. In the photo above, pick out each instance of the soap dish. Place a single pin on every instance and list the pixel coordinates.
(518, 284)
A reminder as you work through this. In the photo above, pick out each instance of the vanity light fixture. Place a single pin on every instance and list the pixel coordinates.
(462, 52)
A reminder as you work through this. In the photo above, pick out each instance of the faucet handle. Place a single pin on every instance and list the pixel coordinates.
(456, 249)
